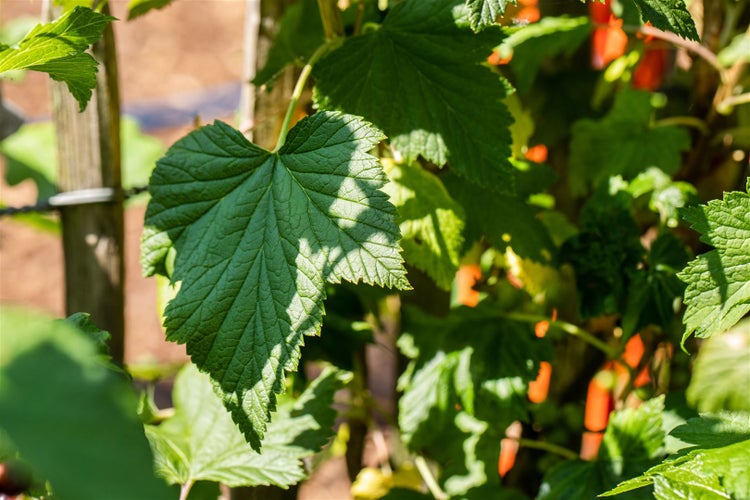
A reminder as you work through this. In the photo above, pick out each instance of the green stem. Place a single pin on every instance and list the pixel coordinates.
(299, 87)
(690, 45)
(429, 479)
(688, 121)
(726, 105)
(546, 446)
(568, 328)
(329, 14)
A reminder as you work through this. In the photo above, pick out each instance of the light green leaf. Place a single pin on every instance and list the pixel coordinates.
(137, 8)
(442, 102)
(624, 142)
(633, 441)
(722, 371)
(300, 33)
(667, 196)
(257, 235)
(70, 416)
(202, 443)
(31, 153)
(431, 222)
(58, 48)
(531, 44)
(715, 468)
(669, 15)
(484, 13)
(718, 282)
(737, 50)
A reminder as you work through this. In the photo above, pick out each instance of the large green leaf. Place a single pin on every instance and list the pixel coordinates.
(530, 45)
(624, 142)
(715, 467)
(484, 13)
(257, 235)
(420, 78)
(69, 413)
(722, 371)
(58, 48)
(431, 222)
(633, 441)
(718, 282)
(202, 443)
(669, 15)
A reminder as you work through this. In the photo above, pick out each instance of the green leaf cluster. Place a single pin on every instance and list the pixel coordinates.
(633, 441)
(466, 381)
(58, 48)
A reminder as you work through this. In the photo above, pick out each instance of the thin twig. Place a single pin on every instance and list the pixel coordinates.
(690, 45)
(567, 328)
(297, 93)
(547, 446)
(429, 479)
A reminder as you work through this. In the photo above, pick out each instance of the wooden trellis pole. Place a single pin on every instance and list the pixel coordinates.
(88, 151)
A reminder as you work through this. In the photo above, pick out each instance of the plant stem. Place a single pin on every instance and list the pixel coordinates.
(567, 328)
(429, 479)
(185, 490)
(297, 92)
(694, 47)
(726, 105)
(331, 18)
(547, 446)
(688, 121)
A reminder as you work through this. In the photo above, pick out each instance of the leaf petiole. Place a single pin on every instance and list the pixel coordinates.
(299, 87)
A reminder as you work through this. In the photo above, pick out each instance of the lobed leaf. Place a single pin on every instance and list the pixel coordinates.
(200, 442)
(442, 103)
(57, 48)
(715, 468)
(718, 282)
(256, 236)
(624, 142)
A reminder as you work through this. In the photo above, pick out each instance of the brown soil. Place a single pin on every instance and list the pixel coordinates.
(185, 48)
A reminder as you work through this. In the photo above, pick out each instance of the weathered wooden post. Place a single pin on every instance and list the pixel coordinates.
(88, 150)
